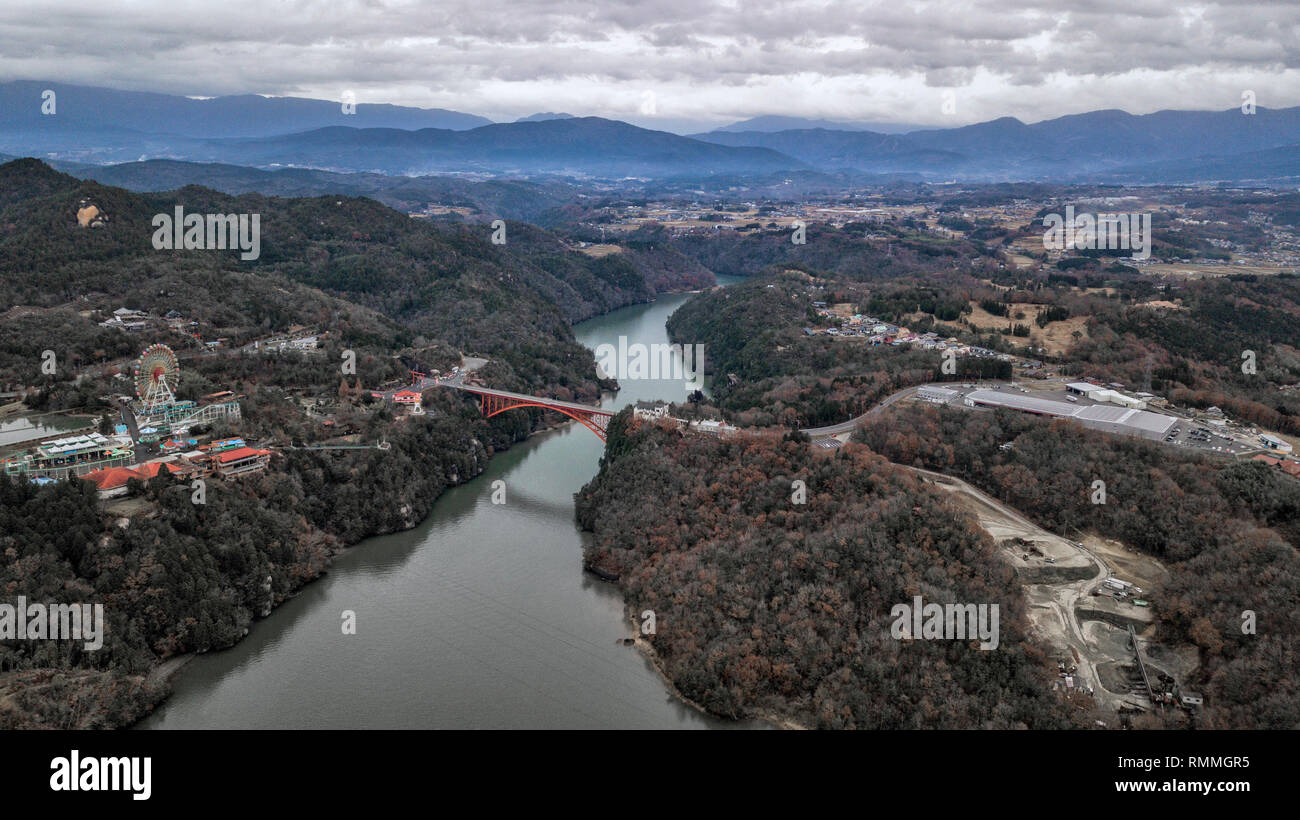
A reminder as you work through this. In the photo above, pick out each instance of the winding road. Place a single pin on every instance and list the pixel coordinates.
(852, 424)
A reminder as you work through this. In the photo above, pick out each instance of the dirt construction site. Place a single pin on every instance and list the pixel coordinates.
(1074, 610)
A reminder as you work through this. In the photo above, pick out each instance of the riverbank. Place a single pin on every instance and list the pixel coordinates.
(478, 617)
(647, 650)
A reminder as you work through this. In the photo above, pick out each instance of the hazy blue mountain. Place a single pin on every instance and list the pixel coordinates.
(1271, 166)
(81, 108)
(99, 126)
(776, 122)
(1171, 134)
(546, 115)
(580, 145)
(1007, 148)
(863, 150)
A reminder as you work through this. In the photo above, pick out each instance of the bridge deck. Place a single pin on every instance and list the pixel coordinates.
(505, 394)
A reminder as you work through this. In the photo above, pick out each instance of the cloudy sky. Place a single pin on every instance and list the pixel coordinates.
(679, 64)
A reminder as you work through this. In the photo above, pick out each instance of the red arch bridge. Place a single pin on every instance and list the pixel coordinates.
(495, 402)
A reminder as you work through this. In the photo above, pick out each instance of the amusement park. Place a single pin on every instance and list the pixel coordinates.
(154, 419)
(156, 413)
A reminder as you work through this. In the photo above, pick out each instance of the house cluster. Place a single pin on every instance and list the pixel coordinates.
(685, 218)
(224, 459)
(134, 321)
(656, 410)
(650, 410)
(878, 332)
(872, 329)
(138, 321)
(280, 344)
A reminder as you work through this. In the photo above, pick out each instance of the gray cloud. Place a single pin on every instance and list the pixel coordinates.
(704, 60)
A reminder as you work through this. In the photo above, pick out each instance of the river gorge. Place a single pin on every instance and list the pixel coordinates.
(479, 617)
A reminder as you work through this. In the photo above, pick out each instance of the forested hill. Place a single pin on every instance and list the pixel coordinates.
(769, 608)
(536, 202)
(420, 282)
(1226, 531)
(180, 577)
(58, 279)
(766, 370)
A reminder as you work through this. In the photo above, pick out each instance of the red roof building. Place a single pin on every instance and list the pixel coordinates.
(112, 482)
(1288, 467)
(111, 479)
(240, 461)
(153, 468)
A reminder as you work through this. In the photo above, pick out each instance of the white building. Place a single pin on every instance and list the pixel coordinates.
(1275, 443)
(1099, 417)
(650, 410)
(935, 395)
(715, 428)
(1105, 394)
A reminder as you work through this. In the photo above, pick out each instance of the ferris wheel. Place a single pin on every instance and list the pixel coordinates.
(156, 375)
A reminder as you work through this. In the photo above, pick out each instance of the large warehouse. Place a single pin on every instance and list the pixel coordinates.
(1125, 420)
(1098, 393)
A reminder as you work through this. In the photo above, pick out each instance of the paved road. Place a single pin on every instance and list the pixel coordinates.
(852, 424)
(470, 365)
(457, 382)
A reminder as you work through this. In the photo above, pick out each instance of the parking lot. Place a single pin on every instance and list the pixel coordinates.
(1185, 432)
(1192, 434)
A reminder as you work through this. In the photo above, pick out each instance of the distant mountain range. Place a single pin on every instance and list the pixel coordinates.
(1271, 166)
(247, 115)
(99, 126)
(575, 146)
(1067, 148)
(776, 122)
